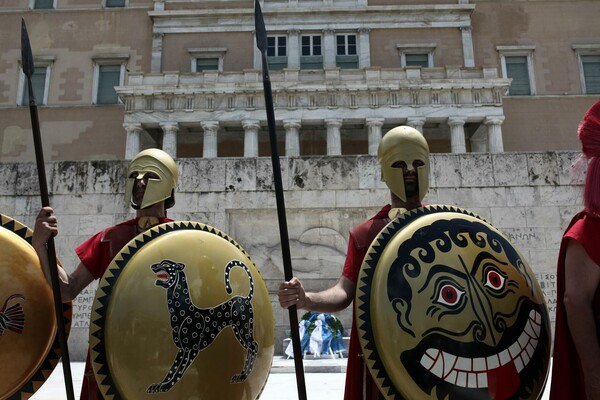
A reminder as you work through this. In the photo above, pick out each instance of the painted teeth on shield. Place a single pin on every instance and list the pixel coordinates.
(472, 373)
(482, 381)
(438, 367)
(479, 364)
(449, 360)
(427, 361)
(472, 380)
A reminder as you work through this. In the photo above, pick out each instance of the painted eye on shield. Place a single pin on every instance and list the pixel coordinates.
(494, 280)
(450, 295)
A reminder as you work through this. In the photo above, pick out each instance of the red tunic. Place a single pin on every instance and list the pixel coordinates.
(567, 375)
(357, 372)
(96, 253)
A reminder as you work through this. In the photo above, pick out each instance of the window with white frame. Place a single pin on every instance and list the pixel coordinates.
(109, 72)
(517, 65)
(115, 3)
(207, 59)
(346, 51)
(42, 4)
(416, 55)
(40, 81)
(588, 57)
(311, 56)
(277, 52)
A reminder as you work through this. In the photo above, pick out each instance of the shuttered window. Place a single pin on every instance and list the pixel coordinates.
(518, 71)
(109, 76)
(591, 73)
(418, 60)
(38, 82)
(277, 52)
(207, 64)
(43, 4)
(115, 3)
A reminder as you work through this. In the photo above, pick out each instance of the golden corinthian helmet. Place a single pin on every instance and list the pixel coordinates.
(407, 144)
(160, 164)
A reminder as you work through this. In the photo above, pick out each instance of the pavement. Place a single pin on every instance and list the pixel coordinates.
(324, 378)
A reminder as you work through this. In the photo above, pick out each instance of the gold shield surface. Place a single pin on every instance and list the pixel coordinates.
(29, 348)
(182, 313)
(448, 308)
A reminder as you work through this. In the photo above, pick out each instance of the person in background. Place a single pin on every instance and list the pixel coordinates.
(576, 362)
(151, 179)
(403, 156)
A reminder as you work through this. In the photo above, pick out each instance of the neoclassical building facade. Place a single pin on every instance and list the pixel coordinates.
(115, 76)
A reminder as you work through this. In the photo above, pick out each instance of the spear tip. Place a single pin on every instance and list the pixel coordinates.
(259, 24)
(26, 54)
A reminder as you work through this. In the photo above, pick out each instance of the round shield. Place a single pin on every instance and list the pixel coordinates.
(182, 313)
(447, 308)
(29, 346)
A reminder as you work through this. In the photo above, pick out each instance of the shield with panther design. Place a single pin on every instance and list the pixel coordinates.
(29, 346)
(182, 312)
(447, 308)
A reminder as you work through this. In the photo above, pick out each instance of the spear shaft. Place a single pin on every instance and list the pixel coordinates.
(261, 42)
(28, 69)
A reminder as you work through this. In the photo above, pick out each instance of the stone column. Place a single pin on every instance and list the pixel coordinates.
(334, 137)
(329, 49)
(132, 145)
(495, 144)
(364, 48)
(169, 145)
(251, 128)
(374, 136)
(467, 43)
(416, 123)
(293, 49)
(292, 137)
(157, 49)
(210, 138)
(457, 135)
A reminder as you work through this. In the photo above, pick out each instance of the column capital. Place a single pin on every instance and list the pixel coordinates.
(494, 120)
(209, 125)
(374, 122)
(456, 121)
(133, 126)
(169, 126)
(250, 124)
(291, 123)
(333, 122)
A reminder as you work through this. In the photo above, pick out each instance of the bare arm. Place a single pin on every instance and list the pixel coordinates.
(582, 277)
(46, 225)
(333, 299)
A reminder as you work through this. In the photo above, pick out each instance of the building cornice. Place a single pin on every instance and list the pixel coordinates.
(345, 18)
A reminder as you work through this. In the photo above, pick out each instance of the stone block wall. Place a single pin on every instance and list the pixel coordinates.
(529, 196)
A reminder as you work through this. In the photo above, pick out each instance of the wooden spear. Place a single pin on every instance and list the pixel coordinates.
(261, 42)
(28, 69)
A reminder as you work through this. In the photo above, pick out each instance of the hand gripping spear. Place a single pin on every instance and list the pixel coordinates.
(28, 68)
(261, 42)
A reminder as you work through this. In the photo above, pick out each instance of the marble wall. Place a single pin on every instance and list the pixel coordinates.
(529, 196)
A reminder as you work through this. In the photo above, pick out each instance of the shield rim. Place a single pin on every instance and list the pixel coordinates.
(363, 292)
(53, 356)
(98, 354)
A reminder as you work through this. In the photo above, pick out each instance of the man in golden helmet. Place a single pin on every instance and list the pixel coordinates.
(151, 179)
(404, 160)
(405, 148)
